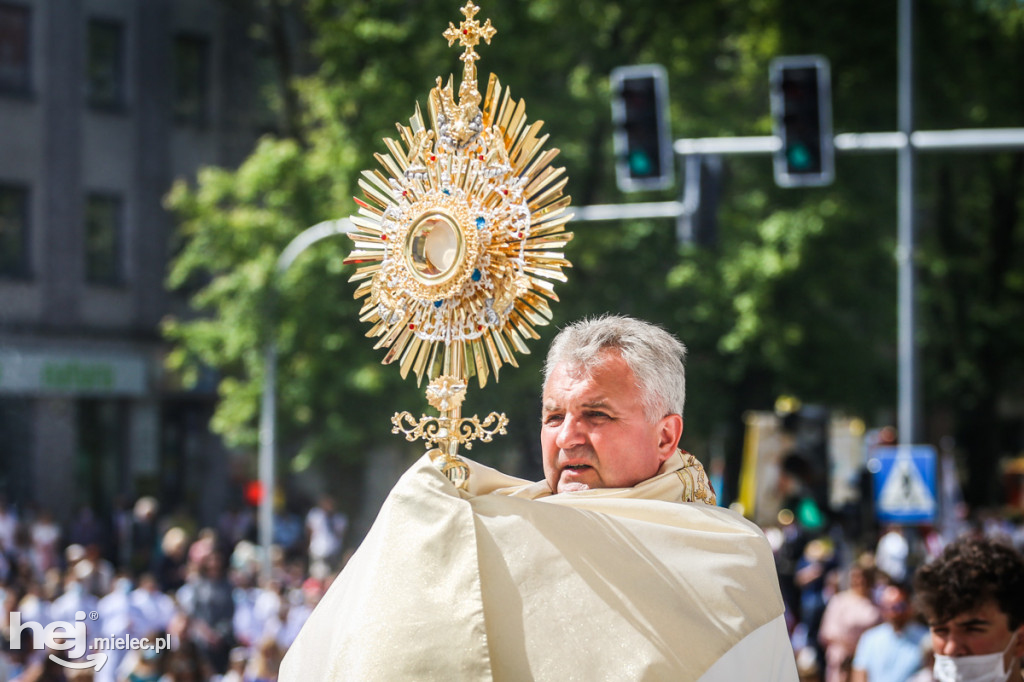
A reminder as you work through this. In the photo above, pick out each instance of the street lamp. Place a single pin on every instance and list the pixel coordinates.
(268, 405)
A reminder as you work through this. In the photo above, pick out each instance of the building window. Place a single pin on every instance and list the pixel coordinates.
(103, 234)
(105, 65)
(100, 472)
(190, 79)
(14, 232)
(16, 415)
(14, 52)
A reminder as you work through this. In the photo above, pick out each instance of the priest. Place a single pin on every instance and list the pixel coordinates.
(616, 566)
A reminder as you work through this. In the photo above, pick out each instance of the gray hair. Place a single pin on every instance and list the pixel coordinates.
(655, 356)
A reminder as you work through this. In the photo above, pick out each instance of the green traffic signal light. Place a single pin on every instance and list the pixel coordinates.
(798, 156)
(643, 144)
(802, 120)
(640, 163)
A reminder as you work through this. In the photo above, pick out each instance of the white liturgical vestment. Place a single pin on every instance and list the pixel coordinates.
(505, 581)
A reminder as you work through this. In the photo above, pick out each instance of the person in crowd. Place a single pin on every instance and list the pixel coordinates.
(847, 616)
(8, 526)
(35, 604)
(45, 534)
(815, 569)
(103, 573)
(170, 566)
(141, 666)
(186, 664)
(117, 618)
(325, 532)
(265, 663)
(144, 534)
(892, 553)
(212, 611)
(890, 652)
(153, 608)
(972, 597)
(44, 669)
(298, 613)
(85, 529)
(271, 601)
(236, 665)
(245, 593)
(76, 596)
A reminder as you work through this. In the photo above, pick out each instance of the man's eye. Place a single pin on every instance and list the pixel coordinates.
(552, 419)
(598, 415)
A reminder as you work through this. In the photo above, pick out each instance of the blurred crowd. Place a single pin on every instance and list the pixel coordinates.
(146, 575)
(850, 602)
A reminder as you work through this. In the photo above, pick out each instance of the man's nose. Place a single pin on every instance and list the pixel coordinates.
(953, 646)
(569, 433)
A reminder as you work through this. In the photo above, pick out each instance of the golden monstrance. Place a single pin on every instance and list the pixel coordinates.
(457, 247)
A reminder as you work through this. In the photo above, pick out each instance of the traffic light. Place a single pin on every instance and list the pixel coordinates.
(801, 100)
(643, 144)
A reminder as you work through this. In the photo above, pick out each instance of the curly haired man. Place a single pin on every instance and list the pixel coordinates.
(972, 597)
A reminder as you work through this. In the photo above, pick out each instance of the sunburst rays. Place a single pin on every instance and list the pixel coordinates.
(460, 239)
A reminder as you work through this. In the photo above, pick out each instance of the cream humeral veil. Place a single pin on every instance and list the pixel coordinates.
(505, 581)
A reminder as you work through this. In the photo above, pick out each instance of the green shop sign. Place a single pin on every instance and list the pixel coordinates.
(50, 373)
(78, 376)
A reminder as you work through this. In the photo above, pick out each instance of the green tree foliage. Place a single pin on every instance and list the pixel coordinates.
(798, 294)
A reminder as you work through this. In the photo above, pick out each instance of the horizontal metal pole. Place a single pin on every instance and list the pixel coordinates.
(866, 142)
(308, 237)
(660, 209)
(924, 140)
(978, 138)
(728, 145)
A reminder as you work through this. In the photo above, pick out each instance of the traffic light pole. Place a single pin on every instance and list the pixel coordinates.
(909, 385)
(268, 401)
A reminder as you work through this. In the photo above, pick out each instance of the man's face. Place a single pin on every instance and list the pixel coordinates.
(594, 433)
(985, 630)
(895, 606)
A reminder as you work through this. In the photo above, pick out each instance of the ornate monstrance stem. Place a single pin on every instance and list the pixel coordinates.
(457, 246)
(450, 429)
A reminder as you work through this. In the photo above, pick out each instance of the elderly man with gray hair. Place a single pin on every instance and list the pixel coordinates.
(614, 390)
(616, 566)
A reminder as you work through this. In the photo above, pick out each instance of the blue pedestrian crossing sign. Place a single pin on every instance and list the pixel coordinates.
(905, 489)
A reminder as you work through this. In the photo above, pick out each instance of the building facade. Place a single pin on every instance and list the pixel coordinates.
(103, 104)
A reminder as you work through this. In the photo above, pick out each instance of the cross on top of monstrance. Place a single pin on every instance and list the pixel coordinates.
(457, 246)
(469, 33)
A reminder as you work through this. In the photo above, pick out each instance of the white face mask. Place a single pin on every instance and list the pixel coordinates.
(984, 668)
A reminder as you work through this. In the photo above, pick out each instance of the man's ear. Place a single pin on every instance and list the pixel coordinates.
(670, 430)
(1018, 646)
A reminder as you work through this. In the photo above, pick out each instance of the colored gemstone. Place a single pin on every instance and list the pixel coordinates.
(480, 222)
(475, 276)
